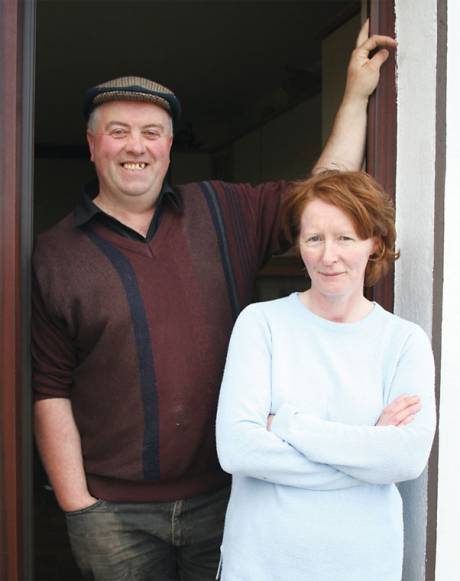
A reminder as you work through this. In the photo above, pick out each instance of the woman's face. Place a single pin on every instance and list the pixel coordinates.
(333, 254)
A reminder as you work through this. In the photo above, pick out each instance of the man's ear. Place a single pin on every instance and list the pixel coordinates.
(171, 139)
(90, 140)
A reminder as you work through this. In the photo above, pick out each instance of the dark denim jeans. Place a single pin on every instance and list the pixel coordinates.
(156, 541)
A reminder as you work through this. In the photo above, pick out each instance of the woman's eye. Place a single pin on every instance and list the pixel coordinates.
(314, 238)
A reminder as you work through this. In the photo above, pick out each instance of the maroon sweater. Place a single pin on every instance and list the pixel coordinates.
(136, 333)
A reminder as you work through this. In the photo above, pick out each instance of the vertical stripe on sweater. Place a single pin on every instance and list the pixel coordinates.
(245, 264)
(124, 269)
(218, 222)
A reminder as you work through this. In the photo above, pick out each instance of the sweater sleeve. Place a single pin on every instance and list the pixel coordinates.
(244, 444)
(53, 356)
(375, 454)
(270, 235)
(253, 216)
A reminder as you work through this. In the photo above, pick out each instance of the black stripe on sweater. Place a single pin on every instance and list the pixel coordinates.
(219, 226)
(234, 200)
(151, 444)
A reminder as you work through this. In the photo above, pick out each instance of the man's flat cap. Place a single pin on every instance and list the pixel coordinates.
(132, 89)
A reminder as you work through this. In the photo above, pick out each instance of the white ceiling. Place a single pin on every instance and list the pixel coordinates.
(231, 63)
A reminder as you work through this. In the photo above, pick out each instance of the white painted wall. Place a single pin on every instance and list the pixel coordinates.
(448, 529)
(416, 30)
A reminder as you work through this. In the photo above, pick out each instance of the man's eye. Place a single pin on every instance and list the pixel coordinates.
(152, 134)
(118, 132)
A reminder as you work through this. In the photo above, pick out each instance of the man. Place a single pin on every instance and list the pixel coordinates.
(135, 295)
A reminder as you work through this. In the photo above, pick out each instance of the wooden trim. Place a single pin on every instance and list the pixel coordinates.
(15, 235)
(381, 138)
(10, 319)
(27, 230)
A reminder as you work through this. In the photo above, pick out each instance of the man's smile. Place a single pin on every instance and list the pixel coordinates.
(131, 165)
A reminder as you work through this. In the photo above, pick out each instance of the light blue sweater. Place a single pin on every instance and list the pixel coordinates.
(315, 499)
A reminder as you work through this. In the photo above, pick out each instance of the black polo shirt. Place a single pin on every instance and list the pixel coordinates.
(86, 211)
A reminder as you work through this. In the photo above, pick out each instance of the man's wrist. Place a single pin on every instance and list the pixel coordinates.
(355, 102)
(77, 502)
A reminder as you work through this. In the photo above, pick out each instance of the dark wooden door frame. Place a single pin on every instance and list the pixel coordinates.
(17, 46)
(381, 137)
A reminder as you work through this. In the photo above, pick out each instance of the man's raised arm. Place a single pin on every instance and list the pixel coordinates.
(344, 149)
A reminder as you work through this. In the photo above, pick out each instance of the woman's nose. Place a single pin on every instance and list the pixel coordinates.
(330, 254)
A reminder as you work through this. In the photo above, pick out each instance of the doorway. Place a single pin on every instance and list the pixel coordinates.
(249, 76)
(230, 119)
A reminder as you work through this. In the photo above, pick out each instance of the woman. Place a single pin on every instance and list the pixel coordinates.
(300, 423)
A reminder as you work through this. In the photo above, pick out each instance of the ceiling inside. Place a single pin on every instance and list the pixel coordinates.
(232, 64)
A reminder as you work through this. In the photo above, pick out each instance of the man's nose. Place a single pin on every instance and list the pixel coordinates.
(135, 143)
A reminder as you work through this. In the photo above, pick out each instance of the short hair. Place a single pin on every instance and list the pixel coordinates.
(362, 199)
(92, 120)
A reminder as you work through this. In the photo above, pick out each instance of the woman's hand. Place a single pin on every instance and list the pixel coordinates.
(400, 412)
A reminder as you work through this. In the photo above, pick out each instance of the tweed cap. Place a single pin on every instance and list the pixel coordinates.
(132, 89)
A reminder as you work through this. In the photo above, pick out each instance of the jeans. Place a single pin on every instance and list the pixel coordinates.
(164, 541)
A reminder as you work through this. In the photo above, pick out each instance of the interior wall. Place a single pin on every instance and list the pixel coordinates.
(289, 145)
(191, 167)
(415, 192)
(58, 186)
(336, 50)
(285, 147)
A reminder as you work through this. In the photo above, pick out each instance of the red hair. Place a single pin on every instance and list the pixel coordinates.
(362, 199)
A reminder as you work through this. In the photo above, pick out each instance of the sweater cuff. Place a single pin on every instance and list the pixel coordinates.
(282, 422)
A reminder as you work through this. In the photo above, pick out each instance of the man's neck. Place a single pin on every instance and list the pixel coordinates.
(136, 216)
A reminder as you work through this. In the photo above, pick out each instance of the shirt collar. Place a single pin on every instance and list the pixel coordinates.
(86, 209)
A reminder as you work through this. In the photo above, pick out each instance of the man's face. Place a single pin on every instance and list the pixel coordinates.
(130, 144)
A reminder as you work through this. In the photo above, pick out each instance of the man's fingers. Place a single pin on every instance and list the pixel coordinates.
(376, 41)
(378, 59)
(363, 34)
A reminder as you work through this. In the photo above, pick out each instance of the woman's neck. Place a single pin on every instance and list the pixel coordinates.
(343, 309)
